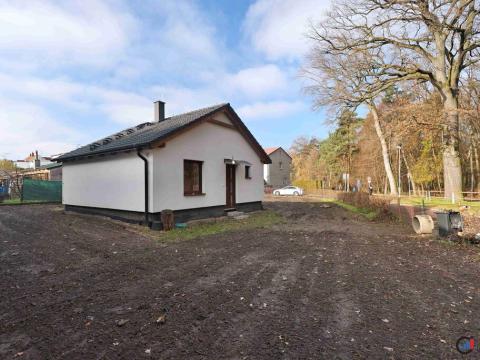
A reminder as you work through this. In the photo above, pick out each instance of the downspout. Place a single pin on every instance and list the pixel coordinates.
(145, 161)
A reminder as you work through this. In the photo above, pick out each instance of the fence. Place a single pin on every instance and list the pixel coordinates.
(42, 190)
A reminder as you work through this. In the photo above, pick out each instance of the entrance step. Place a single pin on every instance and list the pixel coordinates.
(235, 213)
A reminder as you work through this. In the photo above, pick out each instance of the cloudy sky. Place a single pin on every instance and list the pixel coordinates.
(75, 71)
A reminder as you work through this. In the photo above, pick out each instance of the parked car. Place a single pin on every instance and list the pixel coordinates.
(288, 190)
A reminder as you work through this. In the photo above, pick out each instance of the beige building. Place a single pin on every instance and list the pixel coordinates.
(277, 174)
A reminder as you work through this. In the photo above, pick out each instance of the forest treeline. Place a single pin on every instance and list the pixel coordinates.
(412, 119)
(411, 68)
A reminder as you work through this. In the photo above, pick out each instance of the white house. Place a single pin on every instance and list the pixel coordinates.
(33, 161)
(199, 164)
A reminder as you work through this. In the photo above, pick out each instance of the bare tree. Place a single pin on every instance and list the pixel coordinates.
(345, 81)
(422, 40)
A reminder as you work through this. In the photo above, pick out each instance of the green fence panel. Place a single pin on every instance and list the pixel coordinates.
(42, 190)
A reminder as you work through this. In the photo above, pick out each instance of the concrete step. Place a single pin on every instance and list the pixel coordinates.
(241, 217)
(234, 213)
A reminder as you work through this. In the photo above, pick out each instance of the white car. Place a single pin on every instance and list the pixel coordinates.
(288, 190)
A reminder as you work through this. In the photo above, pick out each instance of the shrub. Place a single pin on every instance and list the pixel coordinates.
(363, 200)
(307, 185)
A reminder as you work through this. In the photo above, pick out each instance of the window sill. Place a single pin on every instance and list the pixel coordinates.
(199, 194)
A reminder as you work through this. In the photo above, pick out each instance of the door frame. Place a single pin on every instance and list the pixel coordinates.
(230, 186)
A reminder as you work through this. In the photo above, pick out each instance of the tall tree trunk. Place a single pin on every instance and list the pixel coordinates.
(409, 174)
(383, 143)
(472, 170)
(477, 164)
(452, 168)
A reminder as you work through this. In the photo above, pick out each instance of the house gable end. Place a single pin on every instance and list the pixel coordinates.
(280, 149)
(230, 120)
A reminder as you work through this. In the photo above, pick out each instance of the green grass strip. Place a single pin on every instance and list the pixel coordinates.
(256, 220)
(367, 213)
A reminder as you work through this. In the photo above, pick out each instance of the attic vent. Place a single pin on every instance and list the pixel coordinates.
(94, 146)
(130, 131)
(119, 135)
(107, 141)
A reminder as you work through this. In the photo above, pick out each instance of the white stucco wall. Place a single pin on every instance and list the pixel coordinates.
(211, 144)
(112, 182)
(266, 173)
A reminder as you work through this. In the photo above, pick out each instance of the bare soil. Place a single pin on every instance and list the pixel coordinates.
(324, 284)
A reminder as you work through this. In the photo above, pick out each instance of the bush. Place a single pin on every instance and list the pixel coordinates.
(307, 185)
(364, 201)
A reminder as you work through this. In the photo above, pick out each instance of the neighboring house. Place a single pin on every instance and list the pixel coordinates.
(277, 174)
(33, 161)
(51, 172)
(197, 164)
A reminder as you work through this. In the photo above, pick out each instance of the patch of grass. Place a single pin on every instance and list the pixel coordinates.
(440, 203)
(367, 213)
(261, 219)
(18, 202)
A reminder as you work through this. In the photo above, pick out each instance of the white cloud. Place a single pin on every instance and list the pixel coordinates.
(125, 108)
(169, 50)
(86, 32)
(26, 127)
(180, 38)
(277, 28)
(268, 110)
(258, 81)
(182, 99)
(186, 31)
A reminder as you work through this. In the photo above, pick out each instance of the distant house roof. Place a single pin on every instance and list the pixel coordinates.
(144, 134)
(50, 166)
(271, 150)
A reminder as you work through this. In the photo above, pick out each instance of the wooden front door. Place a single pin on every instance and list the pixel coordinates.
(230, 186)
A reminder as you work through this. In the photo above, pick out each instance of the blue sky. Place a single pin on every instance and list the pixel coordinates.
(75, 71)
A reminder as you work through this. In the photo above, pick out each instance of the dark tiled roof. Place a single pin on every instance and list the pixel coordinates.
(50, 166)
(140, 135)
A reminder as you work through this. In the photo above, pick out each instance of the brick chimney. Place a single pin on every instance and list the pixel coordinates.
(37, 160)
(159, 111)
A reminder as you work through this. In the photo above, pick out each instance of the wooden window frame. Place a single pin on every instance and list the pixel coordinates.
(194, 193)
(248, 174)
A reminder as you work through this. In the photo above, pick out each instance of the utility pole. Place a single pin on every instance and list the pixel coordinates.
(399, 148)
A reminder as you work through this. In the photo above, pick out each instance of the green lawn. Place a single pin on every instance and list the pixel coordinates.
(367, 213)
(259, 219)
(440, 203)
(18, 202)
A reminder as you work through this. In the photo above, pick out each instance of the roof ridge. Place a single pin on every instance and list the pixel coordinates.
(141, 133)
(196, 110)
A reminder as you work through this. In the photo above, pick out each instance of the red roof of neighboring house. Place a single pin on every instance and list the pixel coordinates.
(270, 150)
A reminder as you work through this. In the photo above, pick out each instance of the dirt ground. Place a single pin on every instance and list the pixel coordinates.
(324, 284)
